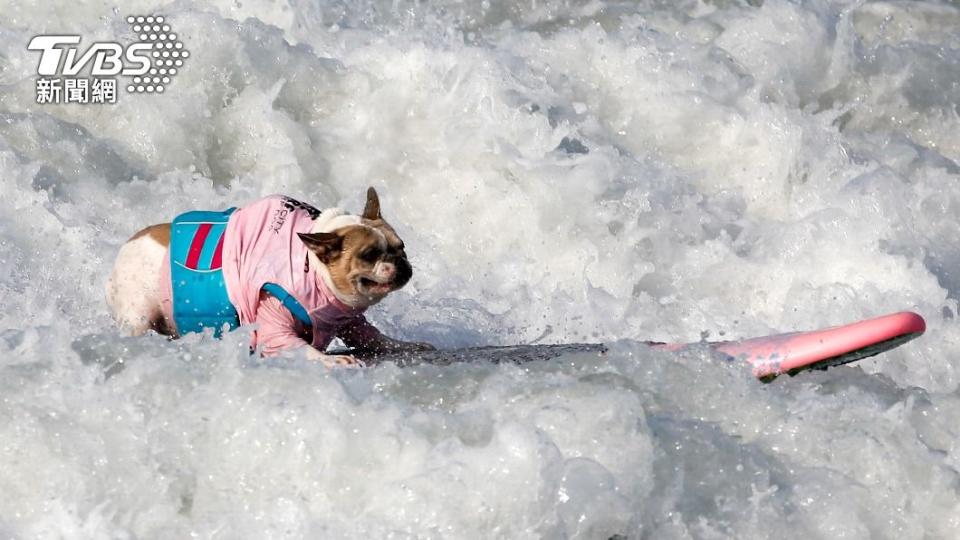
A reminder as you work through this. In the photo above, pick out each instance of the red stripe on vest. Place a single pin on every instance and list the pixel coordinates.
(218, 253)
(196, 247)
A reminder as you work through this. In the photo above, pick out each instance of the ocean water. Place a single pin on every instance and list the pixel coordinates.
(560, 171)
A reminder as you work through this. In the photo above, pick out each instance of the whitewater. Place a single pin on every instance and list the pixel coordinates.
(560, 171)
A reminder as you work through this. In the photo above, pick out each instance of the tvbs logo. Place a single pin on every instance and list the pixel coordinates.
(149, 63)
(107, 57)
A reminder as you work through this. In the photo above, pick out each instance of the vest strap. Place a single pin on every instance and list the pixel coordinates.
(289, 302)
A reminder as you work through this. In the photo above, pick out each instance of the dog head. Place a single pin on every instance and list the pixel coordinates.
(364, 262)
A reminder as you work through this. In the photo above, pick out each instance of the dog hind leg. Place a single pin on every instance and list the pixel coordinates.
(132, 290)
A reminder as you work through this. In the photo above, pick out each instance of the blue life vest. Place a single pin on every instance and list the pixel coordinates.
(199, 294)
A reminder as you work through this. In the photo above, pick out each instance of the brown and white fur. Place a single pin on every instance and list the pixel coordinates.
(360, 264)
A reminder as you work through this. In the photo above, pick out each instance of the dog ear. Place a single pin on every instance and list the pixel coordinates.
(325, 245)
(372, 210)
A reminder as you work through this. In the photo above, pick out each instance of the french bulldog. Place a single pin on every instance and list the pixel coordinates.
(302, 275)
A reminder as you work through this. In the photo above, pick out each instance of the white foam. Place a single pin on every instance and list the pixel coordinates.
(562, 173)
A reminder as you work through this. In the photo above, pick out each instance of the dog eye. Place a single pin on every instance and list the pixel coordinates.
(370, 254)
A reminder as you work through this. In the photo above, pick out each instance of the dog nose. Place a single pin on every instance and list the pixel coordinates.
(387, 270)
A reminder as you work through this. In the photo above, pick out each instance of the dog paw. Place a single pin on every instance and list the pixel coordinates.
(335, 360)
(342, 361)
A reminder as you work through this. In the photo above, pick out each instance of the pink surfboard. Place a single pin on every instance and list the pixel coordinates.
(769, 356)
(794, 352)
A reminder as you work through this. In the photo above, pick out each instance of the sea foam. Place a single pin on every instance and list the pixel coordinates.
(560, 171)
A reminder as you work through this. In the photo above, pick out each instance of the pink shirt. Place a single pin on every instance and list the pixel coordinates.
(261, 246)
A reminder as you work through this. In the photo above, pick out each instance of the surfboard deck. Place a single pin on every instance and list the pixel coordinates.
(769, 356)
(494, 354)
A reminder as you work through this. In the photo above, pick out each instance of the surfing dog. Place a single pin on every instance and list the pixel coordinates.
(303, 275)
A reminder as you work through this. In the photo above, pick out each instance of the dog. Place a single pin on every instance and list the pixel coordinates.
(303, 275)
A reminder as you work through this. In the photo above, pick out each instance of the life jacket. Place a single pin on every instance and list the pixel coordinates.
(200, 297)
(196, 272)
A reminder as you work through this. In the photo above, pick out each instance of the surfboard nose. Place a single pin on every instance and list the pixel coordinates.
(913, 322)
